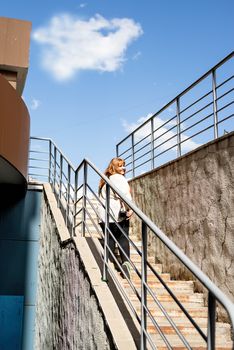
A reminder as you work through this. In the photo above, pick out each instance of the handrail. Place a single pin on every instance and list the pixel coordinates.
(54, 144)
(221, 297)
(125, 151)
(76, 193)
(228, 57)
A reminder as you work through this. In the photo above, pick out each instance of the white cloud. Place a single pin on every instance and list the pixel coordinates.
(35, 104)
(71, 44)
(83, 5)
(158, 122)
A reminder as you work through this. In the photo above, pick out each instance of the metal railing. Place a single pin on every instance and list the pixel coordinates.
(200, 113)
(78, 202)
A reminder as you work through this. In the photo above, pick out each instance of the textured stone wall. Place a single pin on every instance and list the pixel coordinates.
(68, 315)
(192, 200)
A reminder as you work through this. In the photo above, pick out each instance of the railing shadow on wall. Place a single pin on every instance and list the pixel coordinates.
(77, 199)
(201, 113)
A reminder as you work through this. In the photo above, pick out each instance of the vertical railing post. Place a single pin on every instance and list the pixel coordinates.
(152, 143)
(60, 180)
(117, 150)
(211, 322)
(106, 234)
(178, 127)
(215, 104)
(29, 156)
(68, 193)
(49, 170)
(55, 163)
(133, 156)
(143, 286)
(84, 198)
(75, 202)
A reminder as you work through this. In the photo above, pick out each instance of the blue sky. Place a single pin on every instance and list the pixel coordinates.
(98, 66)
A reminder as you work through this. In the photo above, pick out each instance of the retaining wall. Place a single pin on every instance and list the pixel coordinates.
(68, 313)
(192, 200)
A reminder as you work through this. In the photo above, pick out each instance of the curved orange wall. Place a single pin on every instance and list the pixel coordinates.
(14, 127)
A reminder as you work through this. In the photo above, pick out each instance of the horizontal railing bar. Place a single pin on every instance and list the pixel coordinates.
(227, 105)
(37, 167)
(141, 140)
(170, 320)
(121, 154)
(39, 160)
(57, 149)
(195, 102)
(165, 132)
(224, 82)
(165, 123)
(198, 133)
(218, 294)
(162, 143)
(225, 94)
(226, 118)
(197, 123)
(140, 149)
(39, 152)
(195, 113)
(180, 95)
(166, 150)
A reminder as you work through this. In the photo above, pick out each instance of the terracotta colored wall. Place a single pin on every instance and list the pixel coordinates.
(14, 127)
(14, 50)
(15, 39)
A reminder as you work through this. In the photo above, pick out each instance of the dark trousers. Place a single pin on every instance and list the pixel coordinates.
(120, 238)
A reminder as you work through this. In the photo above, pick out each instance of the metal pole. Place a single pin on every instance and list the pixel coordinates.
(49, 175)
(215, 104)
(133, 157)
(211, 322)
(178, 127)
(106, 234)
(152, 143)
(60, 180)
(68, 193)
(143, 287)
(84, 198)
(117, 150)
(75, 202)
(55, 161)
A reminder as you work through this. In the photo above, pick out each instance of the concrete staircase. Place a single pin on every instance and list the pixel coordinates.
(193, 302)
(184, 290)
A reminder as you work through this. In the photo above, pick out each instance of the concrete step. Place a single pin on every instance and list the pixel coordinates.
(184, 291)
(193, 308)
(136, 258)
(222, 330)
(150, 277)
(194, 340)
(184, 286)
(199, 311)
(190, 298)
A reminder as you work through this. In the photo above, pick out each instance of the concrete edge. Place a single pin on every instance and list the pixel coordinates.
(63, 232)
(122, 337)
(116, 323)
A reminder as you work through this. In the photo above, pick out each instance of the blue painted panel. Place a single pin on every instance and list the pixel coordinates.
(11, 322)
(29, 328)
(13, 257)
(20, 260)
(19, 245)
(21, 220)
(30, 281)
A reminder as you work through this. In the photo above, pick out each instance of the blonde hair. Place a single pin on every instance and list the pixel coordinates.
(111, 170)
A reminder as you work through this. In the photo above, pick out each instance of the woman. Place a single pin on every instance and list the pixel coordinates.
(119, 212)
